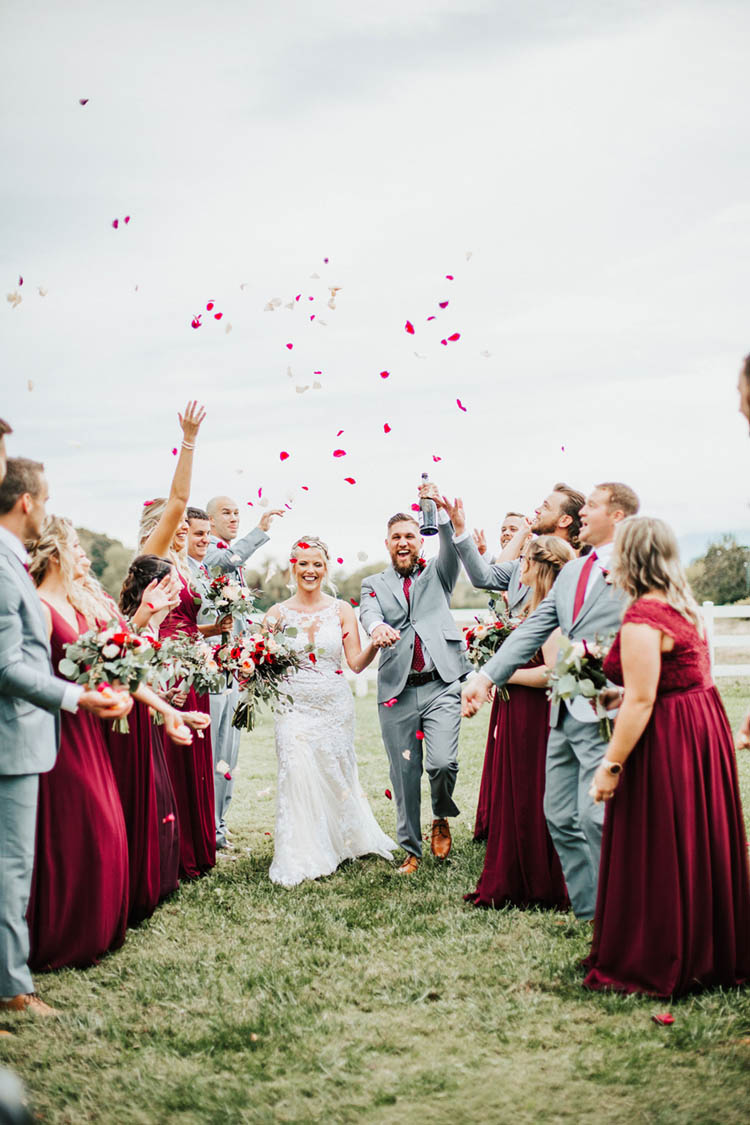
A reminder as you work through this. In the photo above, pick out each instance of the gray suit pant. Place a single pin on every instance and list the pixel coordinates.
(18, 805)
(574, 751)
(434, 709)
(225, 740)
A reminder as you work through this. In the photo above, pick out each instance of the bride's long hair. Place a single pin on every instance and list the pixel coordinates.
(313, 543)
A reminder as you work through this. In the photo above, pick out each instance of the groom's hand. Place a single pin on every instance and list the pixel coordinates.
(474, 694)
(383, 636)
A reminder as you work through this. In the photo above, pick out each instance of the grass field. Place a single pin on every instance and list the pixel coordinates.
(368, 997)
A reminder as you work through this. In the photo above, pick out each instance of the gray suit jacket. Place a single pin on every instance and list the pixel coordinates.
(494, 576)
(427, 614)
(30, 695)
(235, 556)
(601, 614)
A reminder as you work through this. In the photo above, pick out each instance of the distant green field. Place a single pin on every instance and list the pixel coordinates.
(367, 997)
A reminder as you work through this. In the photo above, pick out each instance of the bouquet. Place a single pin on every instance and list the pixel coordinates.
(261, 661)
(579, 671)
(226, 596)
(190, 662)
(110, 656)
(484, 639)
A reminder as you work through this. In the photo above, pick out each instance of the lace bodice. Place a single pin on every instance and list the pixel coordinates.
(686, 666)
(321, 629)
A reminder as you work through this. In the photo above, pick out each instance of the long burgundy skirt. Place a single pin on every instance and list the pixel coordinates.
(147, 801)
(487, 784)
(521, 865)
(673, 906)
(79, 896)
(191, 769)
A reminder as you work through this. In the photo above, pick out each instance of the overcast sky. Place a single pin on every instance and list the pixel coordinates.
(592, 158)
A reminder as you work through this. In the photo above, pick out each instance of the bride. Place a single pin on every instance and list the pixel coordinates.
(322, 815)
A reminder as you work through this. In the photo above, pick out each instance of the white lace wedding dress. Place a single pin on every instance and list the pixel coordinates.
(322, 815)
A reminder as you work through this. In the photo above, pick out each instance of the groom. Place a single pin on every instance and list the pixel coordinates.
(585, 606)
(405, 609)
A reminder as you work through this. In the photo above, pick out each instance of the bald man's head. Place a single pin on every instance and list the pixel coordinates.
(224, 514)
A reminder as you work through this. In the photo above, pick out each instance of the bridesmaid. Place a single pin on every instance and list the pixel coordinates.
(163, 531)
(78, 907)
(521, 866)
(673, 906)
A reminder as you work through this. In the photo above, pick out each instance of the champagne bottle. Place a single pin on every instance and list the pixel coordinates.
(428, 508)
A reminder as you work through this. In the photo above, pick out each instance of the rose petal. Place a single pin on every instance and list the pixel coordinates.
(390, 702)
(83, 101)
(443, 304)
(339, 453)
(339, 561)
(304, 488)
(384, 374)
(174, 451)
(430, 318)
(218, 316)
(436, 459)
(449, 277)
(406, 754)
(388, 794)
(168, 819)
(126, 220)
(415, 507)
(460, 405)
(195, 322)
(386, 428)
(373, 594)
(664, 1018)
(290, 346)
(354, 601)
(209, 306)
(250, 504)
(283, 456)
(409, 327)
(350, 480)
(420, 735)
(115, 223)
(339, 433)
(454, 337)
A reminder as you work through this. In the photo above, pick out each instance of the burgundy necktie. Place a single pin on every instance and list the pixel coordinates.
(583, 580)
(417, 660)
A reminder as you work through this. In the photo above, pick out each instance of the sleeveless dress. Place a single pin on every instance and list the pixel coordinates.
(191, 768)
(673, 906)
(487, 783)
(78, 907)
(521, 865)
(322, 815)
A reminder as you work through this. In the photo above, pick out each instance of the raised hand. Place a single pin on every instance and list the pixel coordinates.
(456, 513)
(267, 518)
(480, 540)
(164, 594)
(191, 420)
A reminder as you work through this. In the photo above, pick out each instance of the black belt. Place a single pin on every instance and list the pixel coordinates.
(417, 679)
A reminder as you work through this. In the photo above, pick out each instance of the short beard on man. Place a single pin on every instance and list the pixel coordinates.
(405, 567)
(544, 525)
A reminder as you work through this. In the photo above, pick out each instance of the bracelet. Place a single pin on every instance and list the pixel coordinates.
(188, 445)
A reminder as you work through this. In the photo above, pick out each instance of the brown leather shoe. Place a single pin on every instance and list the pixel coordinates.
(409, 866)
(441, 838)
(28, 1003)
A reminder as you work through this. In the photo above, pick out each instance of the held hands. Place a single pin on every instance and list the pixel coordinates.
(475, 693)
(106, 704)
(603, 786)
(455, 512)
(191, 420)
(267, 518)
(480, 540)
(383, 636)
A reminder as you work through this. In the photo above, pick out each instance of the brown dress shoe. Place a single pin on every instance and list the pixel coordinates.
(441, 838)
(409, 866)
(29, 1003)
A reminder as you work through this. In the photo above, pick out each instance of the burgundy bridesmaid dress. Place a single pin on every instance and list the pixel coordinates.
(150, 809)
(191, 768)
(673, 906)
(487, 784)
(78, 907)
(521, 867)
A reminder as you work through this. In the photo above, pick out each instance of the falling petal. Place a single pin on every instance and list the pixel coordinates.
(339, 452)
(406, 754)
(209, 306)
(20, 280)
(455, 336)
(350, 480)
(312, 317)
(449, 277)
(409, 327)
(339, 433)
(301, 390)
(388, 794)
(429, 318)
(444, 343)
(443, 304)
(174, 451)
(126, 220)
(196, 322)
(420, 735)
(304, 488)
(298, 297)
(43, 292)
(228, 329)
(460, 405)
(317, 386)
(339, 561)
(290, 346)
(85, 101)
(386, 428)
(218, 316)
(390, 702)
(384, 374)
(250, 504)
(362, 556)
(30, 384)
(283, 456)
(415, 507)
(260, 493)
(115, 223)
(436, 459)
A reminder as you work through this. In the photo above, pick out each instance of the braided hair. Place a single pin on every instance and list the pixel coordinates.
(549, 554)
(143, 569)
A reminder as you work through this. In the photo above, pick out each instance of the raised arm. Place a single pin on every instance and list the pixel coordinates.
(224, 559)
(160, 539)
(482, 574)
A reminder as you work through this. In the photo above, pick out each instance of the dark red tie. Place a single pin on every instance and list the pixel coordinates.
(417, 660)
(583, 580)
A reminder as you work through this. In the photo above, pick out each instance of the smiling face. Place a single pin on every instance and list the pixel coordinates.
(180, 536)
(225, 518)
(198, 538)
(404, 544)
(81, 561)
(548, 514)
(598, 520)
(511, 524)
(310, 569)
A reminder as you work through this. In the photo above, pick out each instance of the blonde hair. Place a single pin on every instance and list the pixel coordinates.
(151, 514)
(549, 554)
(646, 558)
(314, 544)
(56, 542)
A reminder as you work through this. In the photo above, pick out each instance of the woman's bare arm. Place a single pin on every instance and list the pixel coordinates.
(160, 539)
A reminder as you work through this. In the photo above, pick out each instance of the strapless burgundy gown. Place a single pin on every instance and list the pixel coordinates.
(673, 906)
(78, 907)
(191, 768)
(521, 865)
(150, 810)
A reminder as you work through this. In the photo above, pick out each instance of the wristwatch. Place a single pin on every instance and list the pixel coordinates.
(612, 768)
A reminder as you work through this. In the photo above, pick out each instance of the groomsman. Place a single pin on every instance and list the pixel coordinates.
(30, 698)
(228, 555)
(406, 609)
(585, 606)
(558, 514)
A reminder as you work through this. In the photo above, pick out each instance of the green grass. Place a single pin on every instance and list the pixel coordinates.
(366, 996)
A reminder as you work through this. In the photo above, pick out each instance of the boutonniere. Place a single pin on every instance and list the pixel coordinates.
(221, 545)
(421, 564)
(607, 576)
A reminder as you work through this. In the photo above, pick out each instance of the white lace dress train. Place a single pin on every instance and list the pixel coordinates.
(322, 815)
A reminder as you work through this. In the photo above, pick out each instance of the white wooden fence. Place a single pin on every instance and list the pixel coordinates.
(711, 613)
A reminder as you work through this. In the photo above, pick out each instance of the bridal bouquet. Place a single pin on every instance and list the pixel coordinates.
(484, 639)
(261, 661)
(112, 656)
(190, 662)
(226, 596)
(579, 671)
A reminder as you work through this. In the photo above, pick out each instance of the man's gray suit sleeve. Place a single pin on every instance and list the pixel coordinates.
(523, 642)
(448, 563)
(17, 677)
(483, 575)
(370, 613)
(230, 558)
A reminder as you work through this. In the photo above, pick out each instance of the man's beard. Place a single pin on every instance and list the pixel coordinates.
(540, 527)
(404, 567)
